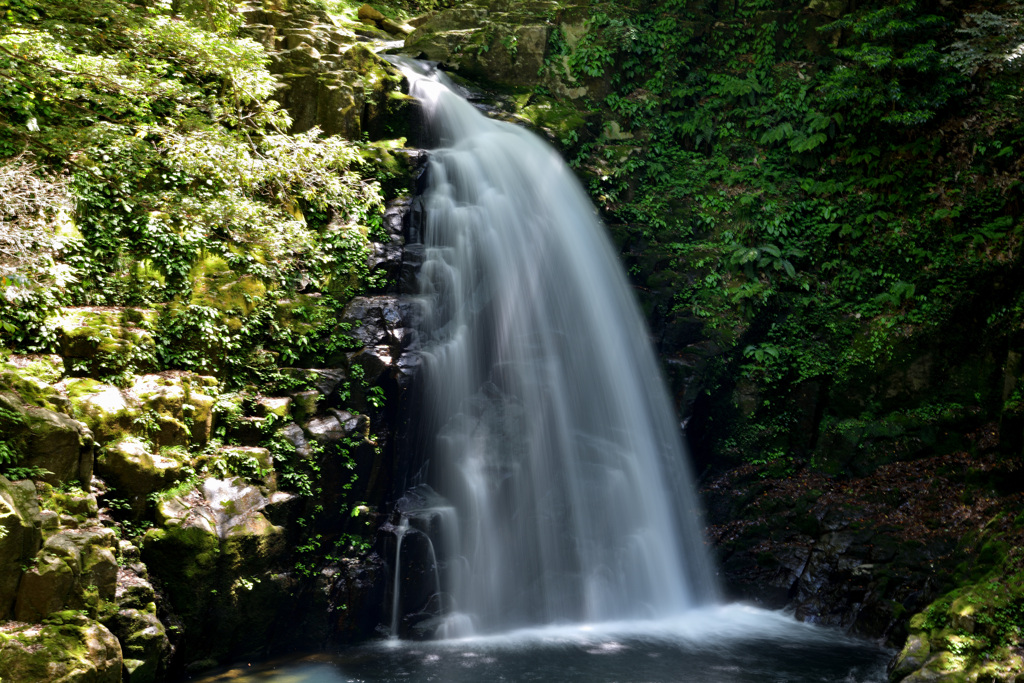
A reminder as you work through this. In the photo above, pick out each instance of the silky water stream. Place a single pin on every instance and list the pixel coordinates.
(553, 498)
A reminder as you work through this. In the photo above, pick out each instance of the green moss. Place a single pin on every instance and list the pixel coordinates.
(559, 119)
(102, 407)
(32, 390)
(45, 368)
(111, 343)
(185, 560)
(67, 647)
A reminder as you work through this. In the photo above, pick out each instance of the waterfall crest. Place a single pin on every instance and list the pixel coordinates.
(546, 424)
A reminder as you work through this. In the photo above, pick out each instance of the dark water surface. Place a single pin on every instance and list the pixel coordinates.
(731, 644)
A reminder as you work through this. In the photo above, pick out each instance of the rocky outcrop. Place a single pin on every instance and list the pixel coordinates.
(134, 470)
(330, 75)
(20, 538)
(54, 442)
(61, 578)
(108, 342)
(858, 553)
(248, 494)
(499, 41)
(70, 648)
(145, 647)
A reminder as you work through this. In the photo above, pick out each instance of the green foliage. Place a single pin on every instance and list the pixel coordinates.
(12, 436)
(294, 472)
(155, 146)
(818, 208)
(894, 72)
(34, 221)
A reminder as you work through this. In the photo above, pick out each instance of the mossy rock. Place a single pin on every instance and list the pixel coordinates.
(104, 408)
(70, 649)
(134, 470)
(558, 120)
(75, 569)
(32, 378)
(279, 406)
(215, 285)
(20, 539)
(186, 561)
(145, 646)
(181, 403)
(502, 43)
(107, 342)
(51, 441)
(228, 586)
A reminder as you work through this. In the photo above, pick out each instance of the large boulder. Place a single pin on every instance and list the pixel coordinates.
(52, 441)
(331, 80)
(32, 378)
(68, 649)
(145, 646)
(109, 412)
(107, 342)
(135, 471)
(503, 42)
(74, 569)
(182, 403)
(20, 538)
(219, 561)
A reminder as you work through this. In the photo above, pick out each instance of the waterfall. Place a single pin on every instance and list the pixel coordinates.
(546, 424)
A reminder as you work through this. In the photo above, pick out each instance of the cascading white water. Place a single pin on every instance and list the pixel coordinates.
(548, 428)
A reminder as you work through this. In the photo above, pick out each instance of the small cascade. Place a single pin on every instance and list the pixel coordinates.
(429, 524)
(555, 483)
(396, 583)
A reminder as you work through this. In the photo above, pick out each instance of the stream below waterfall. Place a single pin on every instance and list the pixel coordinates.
(727, 644)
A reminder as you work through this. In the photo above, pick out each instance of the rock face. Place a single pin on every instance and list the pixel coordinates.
(73, 649)
(499, 41)
(330, 78)
(108, 342)
(52, 441)
(219, 560)
(74, 567)
(522, 46)
(60, 567)
(859, 553)
(20, 538)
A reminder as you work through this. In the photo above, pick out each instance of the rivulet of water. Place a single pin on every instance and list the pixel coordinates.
(547, 425)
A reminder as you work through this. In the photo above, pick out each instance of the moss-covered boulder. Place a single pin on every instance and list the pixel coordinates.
(279, 406)
(973, 632)
(70, 648)
(105, 409)
(220, 562)
(45, 588)
(20, 538)
(216, 285)
(495, 49)
(42, 438)
(107, 342)
(32, 377)
(913, 656)
(185, 558)
(74, 569)
(134, 470)
(331, 80)
(556, 119)
(180, 404)
(145, 647)
(256, 462)
(506, 43)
